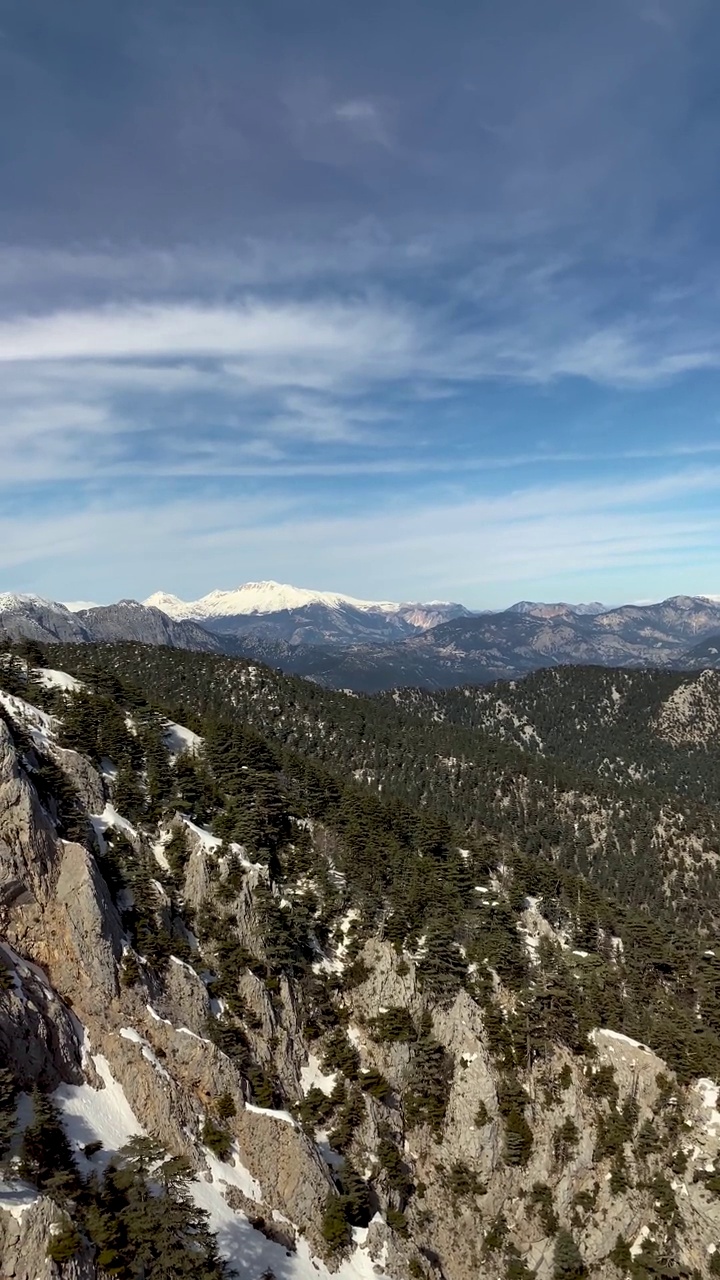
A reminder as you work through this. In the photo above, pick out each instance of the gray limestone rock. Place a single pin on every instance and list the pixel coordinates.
(28, 848)
(84, 777)
(93, 925)
(27, 1224)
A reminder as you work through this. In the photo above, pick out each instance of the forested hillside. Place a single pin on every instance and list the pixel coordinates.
(635, 817)
(653, 727)
(473, 1060)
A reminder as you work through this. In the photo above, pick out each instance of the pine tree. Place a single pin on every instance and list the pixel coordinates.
(335, 1228)
(568, 1262)
(64, 1244)
(128, 796)
(46, 1158)
(518, 1138)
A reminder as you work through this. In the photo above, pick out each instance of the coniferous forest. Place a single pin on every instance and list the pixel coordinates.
(442, 825)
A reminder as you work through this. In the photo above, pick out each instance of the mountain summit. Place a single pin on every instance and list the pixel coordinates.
(270, 597)
(295, 615)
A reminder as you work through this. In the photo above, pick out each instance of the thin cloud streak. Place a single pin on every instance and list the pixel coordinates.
(367, 340)
(475, 547)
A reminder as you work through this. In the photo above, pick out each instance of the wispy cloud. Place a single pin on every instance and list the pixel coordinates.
(321, 333)
(478, 549)
(365, 119)
(440, 283)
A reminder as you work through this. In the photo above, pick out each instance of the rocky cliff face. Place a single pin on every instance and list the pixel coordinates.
(472, 1194)
(67, 1022)
(463, 1171)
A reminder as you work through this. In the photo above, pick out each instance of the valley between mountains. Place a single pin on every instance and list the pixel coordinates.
(298, 983)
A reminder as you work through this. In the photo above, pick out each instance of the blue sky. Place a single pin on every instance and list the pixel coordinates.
(407, 300)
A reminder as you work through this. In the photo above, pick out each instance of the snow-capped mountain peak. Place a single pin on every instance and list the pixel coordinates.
(260, 598)
(172, 605)
(10, 600)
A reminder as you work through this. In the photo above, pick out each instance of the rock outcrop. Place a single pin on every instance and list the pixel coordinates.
(27, 1224)
(64, 944)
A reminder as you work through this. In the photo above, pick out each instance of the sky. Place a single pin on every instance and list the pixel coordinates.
(409, 300)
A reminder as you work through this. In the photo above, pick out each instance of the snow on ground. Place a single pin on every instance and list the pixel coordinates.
(97, 1115)
(129, 1033)
(259, 597)
(105, 1115)
(284, 1116)
(25, 969)
(156, 1016)
(335, 961)
(331, 1157)
(108, 769)
(533, 928)
(313, 1076)
(637, 1246)
(250, 1253)
(206, 838)
(421, 949)
(185, 1031)
(326, 966)
(38, 724)
(178, 739)
(212, 843)
(52, 679)
(345, 925)
(355, 1036)
(110, 818)
(707, 1091)
(622, 1039)
(16, 1198)
(182, 1031)
(158, 851)
(234, 1175)
(13, 599)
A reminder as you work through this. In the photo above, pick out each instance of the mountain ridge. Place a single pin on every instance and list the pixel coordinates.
(369, 648)
(258, 597)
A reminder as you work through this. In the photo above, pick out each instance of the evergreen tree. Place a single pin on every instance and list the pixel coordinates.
(128, 796)
(568, 1262)
(335, 1227)
(45, 1155)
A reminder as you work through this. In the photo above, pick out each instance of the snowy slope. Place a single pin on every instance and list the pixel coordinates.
(260, 597)
(38, 724)
(53, 679)
(16, 599)
(105, 1115)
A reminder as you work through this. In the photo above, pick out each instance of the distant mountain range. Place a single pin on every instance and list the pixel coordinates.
(34, 618)
(537, 610)
(343, 642)
(274, 611)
